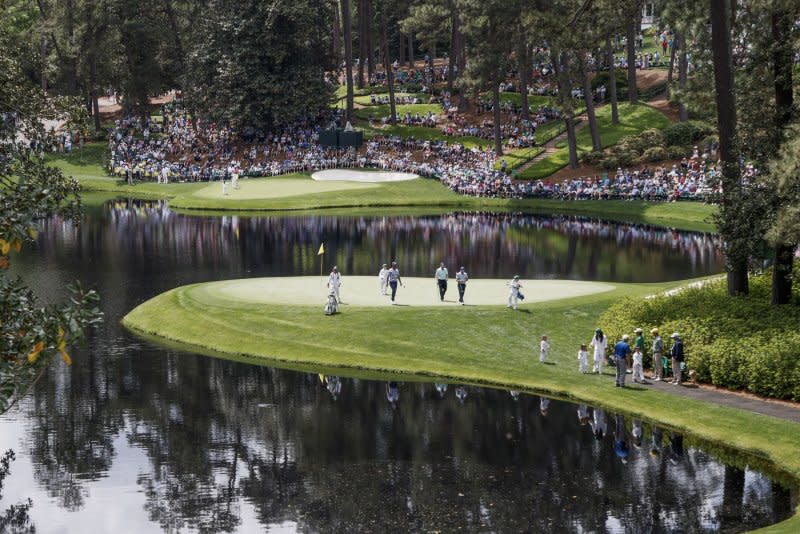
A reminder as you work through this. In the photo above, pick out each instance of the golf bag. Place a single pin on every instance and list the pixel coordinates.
(331, 306)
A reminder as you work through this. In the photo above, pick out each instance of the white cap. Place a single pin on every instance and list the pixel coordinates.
(674, 335)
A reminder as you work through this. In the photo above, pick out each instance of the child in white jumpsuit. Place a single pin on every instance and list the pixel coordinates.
(383, 279)
(513, 292)
(544, 348)
(583, 360)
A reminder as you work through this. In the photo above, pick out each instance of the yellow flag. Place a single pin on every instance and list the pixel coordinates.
(321, 249)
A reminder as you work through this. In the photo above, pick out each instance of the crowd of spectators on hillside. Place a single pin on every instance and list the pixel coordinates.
(177, 148)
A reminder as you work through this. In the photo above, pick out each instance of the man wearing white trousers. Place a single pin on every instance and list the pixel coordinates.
(335, 282)
(383, 278)
(513, 292)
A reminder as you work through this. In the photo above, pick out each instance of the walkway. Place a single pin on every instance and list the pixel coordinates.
(550, 146)
(788, 411)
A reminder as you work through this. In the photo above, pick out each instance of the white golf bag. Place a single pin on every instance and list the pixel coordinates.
(332, 306)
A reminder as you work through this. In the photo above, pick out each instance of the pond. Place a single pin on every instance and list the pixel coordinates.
(139, 438)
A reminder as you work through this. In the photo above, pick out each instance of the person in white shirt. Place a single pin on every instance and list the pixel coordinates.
(394, 279)
(513, 292)
(583, 360)
(599, 343)
(335, 282)
(461, 279)
(544, 348)
(441, 276)
(383, 279)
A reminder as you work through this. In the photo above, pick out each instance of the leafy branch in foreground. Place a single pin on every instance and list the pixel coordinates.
(32, 335)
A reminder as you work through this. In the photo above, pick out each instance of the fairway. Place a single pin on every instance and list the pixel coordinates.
(364, 291)
(265, 188)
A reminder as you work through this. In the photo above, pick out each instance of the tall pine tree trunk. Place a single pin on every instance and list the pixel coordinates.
(672, 55)
(524, 65)
(453, 55)
(410, 51)
(387, 64)
(498, 138)
(95, 105)
(370, 48)
(362, 43)
(337, 35)
(597, 145)
(348, 58)
(683, 73)
(784, 101)
(630, 27)
(737, 253)
(612, 80)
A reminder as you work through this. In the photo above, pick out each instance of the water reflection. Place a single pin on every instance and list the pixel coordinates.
(149, 236)
(227, 445)
(137, 438)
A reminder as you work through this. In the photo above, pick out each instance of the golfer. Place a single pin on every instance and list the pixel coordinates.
(335, 282)
(394, 279)
(441, 280)
(461, 279)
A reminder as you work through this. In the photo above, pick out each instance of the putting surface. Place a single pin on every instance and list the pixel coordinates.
(265, 188)
(350, 175)
(364, 291)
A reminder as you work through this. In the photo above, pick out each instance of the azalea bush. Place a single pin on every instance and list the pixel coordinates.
(740, 343)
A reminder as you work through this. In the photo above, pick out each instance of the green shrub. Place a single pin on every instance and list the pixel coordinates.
(678, 152)
(686, 133)
(656, 153)
(736, 343)
(591, 158)
(603, 78)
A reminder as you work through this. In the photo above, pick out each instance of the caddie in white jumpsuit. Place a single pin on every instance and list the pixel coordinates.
(335, 282)
(513, 292)
(383, 278)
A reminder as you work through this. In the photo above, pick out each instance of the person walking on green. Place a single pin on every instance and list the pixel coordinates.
(461, 279)
(441, 280)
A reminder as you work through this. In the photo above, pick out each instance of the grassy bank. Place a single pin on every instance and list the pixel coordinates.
(632, 120)
(487, 345)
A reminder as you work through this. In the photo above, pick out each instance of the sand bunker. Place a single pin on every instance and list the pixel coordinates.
(350, 175)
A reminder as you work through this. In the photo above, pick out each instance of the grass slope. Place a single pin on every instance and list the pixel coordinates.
(482, 344)
(632, 120)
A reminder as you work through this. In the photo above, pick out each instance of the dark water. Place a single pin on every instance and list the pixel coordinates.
(138, 438)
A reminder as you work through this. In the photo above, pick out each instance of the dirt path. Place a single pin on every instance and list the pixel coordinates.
(550, 147)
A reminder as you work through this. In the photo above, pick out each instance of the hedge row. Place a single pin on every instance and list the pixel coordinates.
(738, 343)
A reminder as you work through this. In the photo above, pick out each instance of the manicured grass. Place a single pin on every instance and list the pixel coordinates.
(422, 132)
(632, 120)
(487, 345)
(382, 110)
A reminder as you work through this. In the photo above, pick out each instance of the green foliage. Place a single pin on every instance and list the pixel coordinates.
(736, 343)
(32, 335)
(261, 64)
(686, 133)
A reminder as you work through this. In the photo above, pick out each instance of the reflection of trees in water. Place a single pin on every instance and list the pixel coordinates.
(151, 238)
(221, 436)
